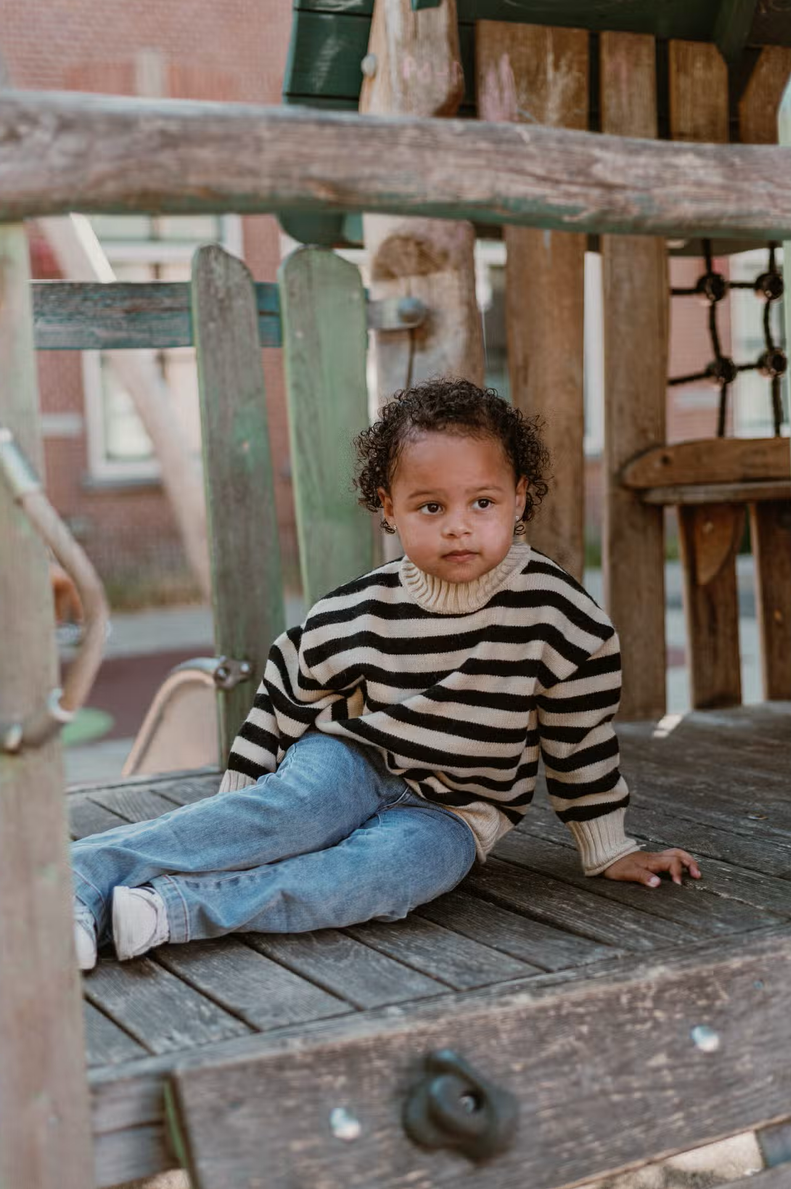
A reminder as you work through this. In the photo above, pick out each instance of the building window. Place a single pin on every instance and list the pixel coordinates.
(752, 403)
(146, 249)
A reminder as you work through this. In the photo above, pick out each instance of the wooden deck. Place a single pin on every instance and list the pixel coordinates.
(716, 783)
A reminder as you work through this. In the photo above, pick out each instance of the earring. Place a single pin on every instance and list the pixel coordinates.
(519, 528)
(388, 528)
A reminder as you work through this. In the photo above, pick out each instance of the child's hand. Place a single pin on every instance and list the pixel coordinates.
(642, 866)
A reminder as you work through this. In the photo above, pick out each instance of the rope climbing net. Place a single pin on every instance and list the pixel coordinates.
(712, 287)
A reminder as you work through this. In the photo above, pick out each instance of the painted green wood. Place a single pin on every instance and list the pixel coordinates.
(247, 594)
(91, 317)
(732, 27)
(45, 1136)
(324, 349)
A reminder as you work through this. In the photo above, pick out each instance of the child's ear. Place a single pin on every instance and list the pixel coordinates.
(521, 494)
(386, 501)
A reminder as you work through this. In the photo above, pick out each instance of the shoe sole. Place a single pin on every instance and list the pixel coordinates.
(120, 934)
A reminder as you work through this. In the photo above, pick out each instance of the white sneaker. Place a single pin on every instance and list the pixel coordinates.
(140, 921)
(84, 937)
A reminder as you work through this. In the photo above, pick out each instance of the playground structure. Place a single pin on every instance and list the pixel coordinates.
(284, 1058)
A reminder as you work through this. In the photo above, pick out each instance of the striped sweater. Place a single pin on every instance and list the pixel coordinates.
(460, 687)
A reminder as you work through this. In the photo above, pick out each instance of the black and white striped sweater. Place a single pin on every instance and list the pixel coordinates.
(459, 686)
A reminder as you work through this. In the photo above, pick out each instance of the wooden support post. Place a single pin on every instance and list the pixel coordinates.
(709, 535)
(636, 305)
(413, 67)
(322, 303)
(533, 74)
(240, 494)
(45, 1133)
(770, 530)
(758, 106)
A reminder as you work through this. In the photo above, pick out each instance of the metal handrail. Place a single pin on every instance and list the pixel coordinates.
(61, 704)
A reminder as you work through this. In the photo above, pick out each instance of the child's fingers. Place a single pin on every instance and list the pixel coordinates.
(684, 859)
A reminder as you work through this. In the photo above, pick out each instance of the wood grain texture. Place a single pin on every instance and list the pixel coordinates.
(698, 92)
(419, 73)
(712, 460)
(631, 1038)
(60, 152)
(106, 1043)
(324, 351)
(70, 316)
(240, 495)
(709, 539)
(635, 304)
(720, 493)
(759, 104)
(770, 532)
(531, 74)
(44, 1113)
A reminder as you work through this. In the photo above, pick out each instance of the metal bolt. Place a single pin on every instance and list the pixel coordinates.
(343, 1124)
(706, 1039)
(368, 65)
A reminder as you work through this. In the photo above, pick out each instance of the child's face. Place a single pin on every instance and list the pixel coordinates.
(454, 500)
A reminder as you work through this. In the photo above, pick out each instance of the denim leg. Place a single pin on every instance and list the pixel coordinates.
(323, 790)
(402, 856)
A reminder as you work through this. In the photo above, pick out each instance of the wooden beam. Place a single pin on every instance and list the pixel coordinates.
(415, 70)
(709, 536)
(700, 1037)
(45, 1136)
(684, 494)
(712, 460)
(770, 525)
(758, 106)
(240, 495)
(324, 351)
(636, 303)
(532, 74)
(63, 151)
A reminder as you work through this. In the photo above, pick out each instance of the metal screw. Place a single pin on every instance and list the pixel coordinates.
(368, 65)
(706, 1039)
(343, 1124)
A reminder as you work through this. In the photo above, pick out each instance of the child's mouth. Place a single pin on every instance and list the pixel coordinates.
(461, 555)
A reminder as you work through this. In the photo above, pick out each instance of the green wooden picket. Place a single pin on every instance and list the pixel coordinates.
(247, 592)
(322, 307)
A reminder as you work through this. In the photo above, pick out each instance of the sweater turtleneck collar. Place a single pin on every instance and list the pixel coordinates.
(460, 598)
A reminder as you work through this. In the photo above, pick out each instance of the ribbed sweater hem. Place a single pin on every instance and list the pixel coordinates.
(601, 841)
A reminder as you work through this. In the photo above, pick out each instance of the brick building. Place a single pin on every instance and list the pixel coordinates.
(99, 470)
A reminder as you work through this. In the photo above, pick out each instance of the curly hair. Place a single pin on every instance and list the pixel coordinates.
(455, 406)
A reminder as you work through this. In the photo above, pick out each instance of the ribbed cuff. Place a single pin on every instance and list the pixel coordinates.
(233, 782)
(601, 841)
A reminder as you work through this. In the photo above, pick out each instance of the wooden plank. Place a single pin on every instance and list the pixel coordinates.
(720, 493)
(106, 1043)
(325, 342)
(644, 1104)
(772, 1178)
(44, 1120)
(124, 1156)
(709, 538)
(564, 907)
(712, 460)
(159, 1010)
(93, 317)
(635, 304)
(95, 153)
(418, 72)
(441, 953)
(133, 804)
(531, 74)
(531, 941)
(246, 983)
(86, 817)
(237, 473)
(347, 968)
(770, 533)
(758, 106)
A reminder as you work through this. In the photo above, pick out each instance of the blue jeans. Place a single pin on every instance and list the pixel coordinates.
(330, 839)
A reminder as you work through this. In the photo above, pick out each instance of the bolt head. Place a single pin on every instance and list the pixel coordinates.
(343, 1124)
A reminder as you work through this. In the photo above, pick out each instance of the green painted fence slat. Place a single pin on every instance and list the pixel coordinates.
(247, 592)
(322, 304)
(70, 316)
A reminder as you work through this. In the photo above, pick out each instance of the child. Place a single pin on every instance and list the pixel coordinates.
(396, 733)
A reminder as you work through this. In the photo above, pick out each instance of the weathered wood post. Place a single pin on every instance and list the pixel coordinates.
(635, 304)
(413, 67)
(45, 1133)
(532, 74)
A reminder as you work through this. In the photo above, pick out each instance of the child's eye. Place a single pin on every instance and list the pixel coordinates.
(484, 502)
(431, 509)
